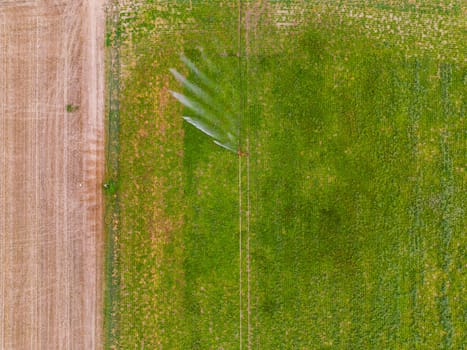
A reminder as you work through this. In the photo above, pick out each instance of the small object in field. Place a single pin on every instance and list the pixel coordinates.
(110, 187)
(242, 153)
(70, 108)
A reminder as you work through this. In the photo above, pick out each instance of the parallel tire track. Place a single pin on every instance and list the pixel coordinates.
(51, 171)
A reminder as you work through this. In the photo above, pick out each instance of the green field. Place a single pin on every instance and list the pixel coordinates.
(343, 227)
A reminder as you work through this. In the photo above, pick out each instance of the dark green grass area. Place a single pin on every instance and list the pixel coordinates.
(351, 172)
(355, 178)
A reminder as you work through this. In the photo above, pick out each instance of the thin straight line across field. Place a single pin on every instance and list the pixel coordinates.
(243, 74)
(240, 243)
(37, 243)
(67, 51)
(3, 195)
(248, 259)
(248, 209)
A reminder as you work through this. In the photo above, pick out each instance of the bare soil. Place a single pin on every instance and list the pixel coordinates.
(51, 168)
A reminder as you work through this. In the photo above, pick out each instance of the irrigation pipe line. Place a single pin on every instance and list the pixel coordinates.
(240, 179)
(243, 101)
(248, 267)
(240, 246)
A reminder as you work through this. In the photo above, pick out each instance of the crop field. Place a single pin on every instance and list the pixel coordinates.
(339, 223)
(51, 171)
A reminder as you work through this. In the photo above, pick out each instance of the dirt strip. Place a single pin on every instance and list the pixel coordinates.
(51, 165)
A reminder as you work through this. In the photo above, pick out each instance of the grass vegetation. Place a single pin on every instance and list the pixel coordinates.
(355, 178)
(70, 108)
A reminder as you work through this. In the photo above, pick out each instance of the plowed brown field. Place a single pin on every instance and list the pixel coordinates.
(51, 165)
